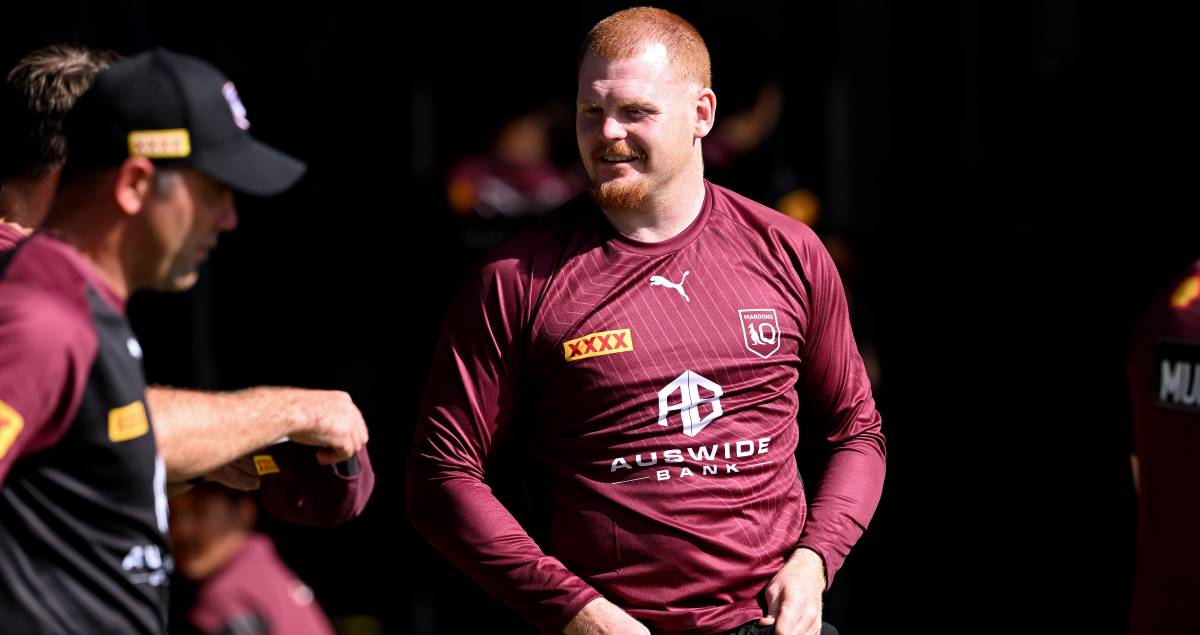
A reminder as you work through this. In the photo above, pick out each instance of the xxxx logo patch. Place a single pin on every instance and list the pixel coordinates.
(597, 344)
(128, 422)
(265, 464)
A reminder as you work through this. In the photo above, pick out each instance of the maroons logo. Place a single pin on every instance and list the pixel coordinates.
(760, 331)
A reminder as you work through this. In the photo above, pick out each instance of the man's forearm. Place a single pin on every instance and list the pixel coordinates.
(458, 513)
(602, 617)
(198, 432)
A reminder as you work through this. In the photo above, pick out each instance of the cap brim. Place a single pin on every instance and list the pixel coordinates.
(251, 167)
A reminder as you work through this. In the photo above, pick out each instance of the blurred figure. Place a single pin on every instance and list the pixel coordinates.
(34, 99)
(242, 586)
(517, 177)
(495, 194)
(1164, 378)
(744, 131)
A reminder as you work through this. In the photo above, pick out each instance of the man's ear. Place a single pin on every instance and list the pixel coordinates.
(706, 112)
(134, 184)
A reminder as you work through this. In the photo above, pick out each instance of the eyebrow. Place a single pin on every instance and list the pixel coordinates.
(632, 103)
(639, 104)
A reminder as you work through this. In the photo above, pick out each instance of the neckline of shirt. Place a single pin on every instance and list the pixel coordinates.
(609, 234)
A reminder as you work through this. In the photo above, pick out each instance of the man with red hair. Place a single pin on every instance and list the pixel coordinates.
(656, 343)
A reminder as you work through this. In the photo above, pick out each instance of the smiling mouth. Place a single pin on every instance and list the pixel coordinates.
(615, 159)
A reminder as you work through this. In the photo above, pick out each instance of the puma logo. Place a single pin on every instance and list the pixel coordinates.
(659, 281)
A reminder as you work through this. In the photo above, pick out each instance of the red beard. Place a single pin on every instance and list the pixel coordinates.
(617, 195)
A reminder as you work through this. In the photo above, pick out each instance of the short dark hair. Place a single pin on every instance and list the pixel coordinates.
(36, 95)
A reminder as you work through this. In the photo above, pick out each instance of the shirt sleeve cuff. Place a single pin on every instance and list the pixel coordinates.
(824, 561)
(570, 609)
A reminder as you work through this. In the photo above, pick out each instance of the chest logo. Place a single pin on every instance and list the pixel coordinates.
(597, 344)
(691, 402)
(659, 281)
(760, 331)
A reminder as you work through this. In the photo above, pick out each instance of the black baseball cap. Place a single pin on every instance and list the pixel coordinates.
(175, 110)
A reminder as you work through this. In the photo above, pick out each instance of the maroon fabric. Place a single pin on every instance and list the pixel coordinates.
(308, 493)
(47, 343)
(256, 586)
(676, 511)
(1164, 373)
(83, 509)
(9, 236)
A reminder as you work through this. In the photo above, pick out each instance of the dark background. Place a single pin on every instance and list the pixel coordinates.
(1013, 179)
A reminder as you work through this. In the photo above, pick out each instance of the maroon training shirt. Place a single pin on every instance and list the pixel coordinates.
(662, 384)
(255, 592)
(1164, 375)
(83, 509)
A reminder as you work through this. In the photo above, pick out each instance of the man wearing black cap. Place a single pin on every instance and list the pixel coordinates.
(159, 143)
(197, 432)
